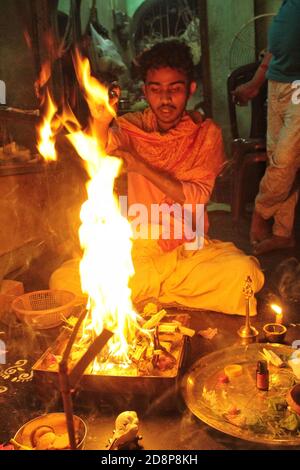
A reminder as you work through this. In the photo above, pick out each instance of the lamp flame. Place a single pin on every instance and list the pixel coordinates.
(278, 310)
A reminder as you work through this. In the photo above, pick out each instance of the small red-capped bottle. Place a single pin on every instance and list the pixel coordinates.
(262, 376)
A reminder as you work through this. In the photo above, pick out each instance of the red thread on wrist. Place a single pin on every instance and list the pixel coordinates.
(264, 66)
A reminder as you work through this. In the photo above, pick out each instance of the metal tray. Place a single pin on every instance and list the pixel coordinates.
(108, 386)
(212, 406)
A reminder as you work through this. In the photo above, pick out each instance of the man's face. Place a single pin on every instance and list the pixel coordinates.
(167, 91)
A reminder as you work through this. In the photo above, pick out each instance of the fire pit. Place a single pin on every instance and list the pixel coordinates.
(151, 373)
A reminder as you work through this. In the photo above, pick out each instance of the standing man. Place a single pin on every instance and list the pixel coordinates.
(278, 194)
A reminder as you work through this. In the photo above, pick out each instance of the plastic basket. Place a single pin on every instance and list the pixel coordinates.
(44, 309)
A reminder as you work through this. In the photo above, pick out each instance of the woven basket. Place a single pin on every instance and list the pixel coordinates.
(45, 308)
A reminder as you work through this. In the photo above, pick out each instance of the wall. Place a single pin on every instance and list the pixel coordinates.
(16, 60)
(17, 65)
(24, 218)
(105, 12)
(64, 6)
(267, 6)
(39, 212)
(225, 18)
(132, 6)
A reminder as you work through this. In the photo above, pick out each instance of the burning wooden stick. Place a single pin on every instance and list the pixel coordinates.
(154, 320)
(176, 327)
(68, 381)
(138, 353)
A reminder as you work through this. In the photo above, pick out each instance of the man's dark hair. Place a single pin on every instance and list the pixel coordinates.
(171, 53)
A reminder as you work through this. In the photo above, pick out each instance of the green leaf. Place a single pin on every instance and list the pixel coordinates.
(291, 422)
(277, 403)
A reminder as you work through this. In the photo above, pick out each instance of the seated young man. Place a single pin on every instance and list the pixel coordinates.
(172, 158)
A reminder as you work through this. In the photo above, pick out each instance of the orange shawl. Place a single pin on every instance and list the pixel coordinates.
(190, 152)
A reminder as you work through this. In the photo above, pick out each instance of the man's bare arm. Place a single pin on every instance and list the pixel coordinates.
(163, 181)
(247, 91)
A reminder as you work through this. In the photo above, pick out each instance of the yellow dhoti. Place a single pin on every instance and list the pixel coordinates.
(211, 278)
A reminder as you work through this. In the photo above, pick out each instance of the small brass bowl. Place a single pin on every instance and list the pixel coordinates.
(56, 422)
(274, 332)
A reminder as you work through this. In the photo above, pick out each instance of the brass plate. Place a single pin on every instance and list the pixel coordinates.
(241, 393)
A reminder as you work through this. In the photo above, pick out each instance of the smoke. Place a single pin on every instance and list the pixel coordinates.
(287, 280)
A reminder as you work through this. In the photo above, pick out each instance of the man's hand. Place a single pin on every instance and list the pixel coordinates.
(103, 116)
(100, 112)
(243, 93)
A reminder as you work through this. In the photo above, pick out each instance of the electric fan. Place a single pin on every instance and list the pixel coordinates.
(251, 41)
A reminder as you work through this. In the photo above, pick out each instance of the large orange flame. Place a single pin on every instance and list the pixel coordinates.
(44, 77)
(47, 130)
(105, 235)
(96, 94)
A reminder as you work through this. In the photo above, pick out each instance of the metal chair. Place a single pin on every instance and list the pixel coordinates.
(249, 150)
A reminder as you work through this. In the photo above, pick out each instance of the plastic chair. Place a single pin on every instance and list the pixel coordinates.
(250, 150)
